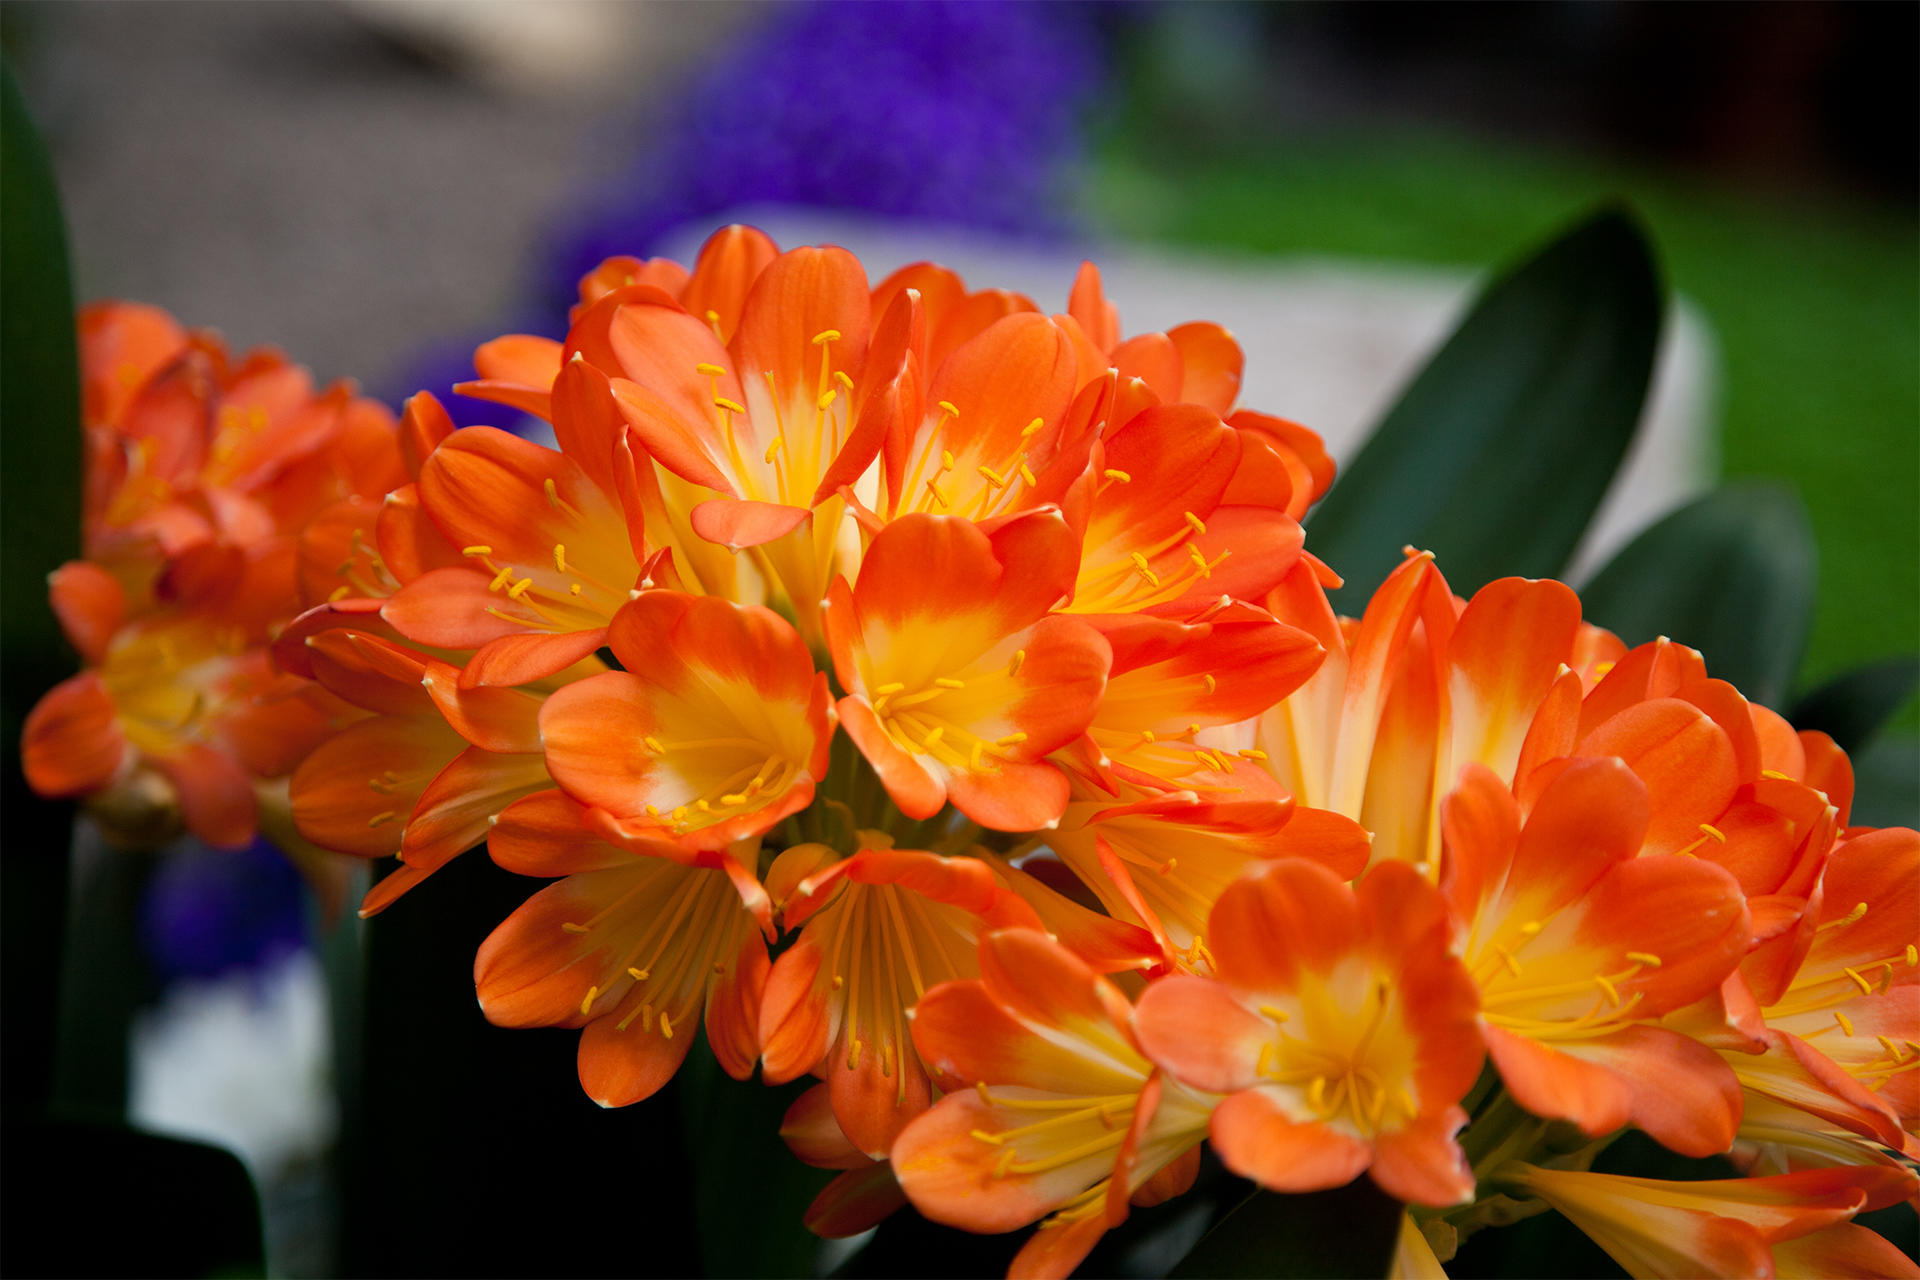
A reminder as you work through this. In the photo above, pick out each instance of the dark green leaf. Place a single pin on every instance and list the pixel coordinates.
(97, 1200)
(1349, 1231)
(1854, 706)
(1731, 574)
(1498, 454)
(1886, 782)
(39, 529)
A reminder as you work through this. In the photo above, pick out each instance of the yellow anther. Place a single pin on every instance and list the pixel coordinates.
(568, 926)
(1252, 753)
(1531, 928)
(481, 550)
(1147, 737)
(1019, 657)
(653, 745)
(1170, 866)
(779, 443)
(638, 975)
(1646, 958)
(1010, 740)
(992, 477)
(559, 557)
(385, 815)
(1212, 684)
(1114, 473)
(339, 593)
(501, 577)
(519, 588)
(1846, 1024)
(733, 799)
(1005, 1162)
(1859, 910)
(946, 407)
(992, 1139)
(711, 370)
(948, 682)
(1199, 525)
(1145, 570)
(841, 376)
(853, 1055)
(713, 318)
(1317, 1094)
(1715, 833)
(938, 496)
(1506, 958)
(593, 993)
(1213, 761)
(934, 735)
(666, 1028)
(839, 981)
(721, 402)
(653, 811)
(573, 589)
(1264, 1061)
(1776, 775)
(974, 756)
(1033, 428)
(826, 397)
(889, 688)
(1913, 955)
(1606, 985)
(826, 335)
(703, 805)
(946, 461)
(1026, 474)
(1277, 1014)
(553, 493)
(1886, 1042)
(1866, 988)
(1199, 561)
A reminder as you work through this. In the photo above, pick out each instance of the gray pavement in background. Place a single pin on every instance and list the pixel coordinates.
(295, 173)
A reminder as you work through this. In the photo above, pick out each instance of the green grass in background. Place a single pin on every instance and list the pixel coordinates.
(1814, 306)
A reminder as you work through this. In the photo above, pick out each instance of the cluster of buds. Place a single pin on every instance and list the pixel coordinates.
(933, 696)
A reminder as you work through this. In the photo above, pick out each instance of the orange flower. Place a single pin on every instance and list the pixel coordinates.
(628, 947)
(881, 928)
(959, 680)
(1065, 1119)
(1727, 1227)
(716, 730)
(1341, 1030)
(1576, 943)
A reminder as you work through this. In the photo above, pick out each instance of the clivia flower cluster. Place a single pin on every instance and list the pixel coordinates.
(933, 696)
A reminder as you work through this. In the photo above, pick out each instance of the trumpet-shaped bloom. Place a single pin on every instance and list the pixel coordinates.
(1724, 1227)
(716, 730)
(880, 929)
(633, 949)
(1577, 943)
(959, 680)
(1340, 1028)
(1052, 1111)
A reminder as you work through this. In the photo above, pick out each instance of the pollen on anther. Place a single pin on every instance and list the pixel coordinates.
(1033, 428)
(385, 815)
(721, 402)
(481, 550)
(1114, 473)
(825, 336)
(1199, 525)
(843, 378)
(638, 975)
(1212, 684)
(1010, 740)
(1719, 836)
(1019, 657)
(946, 407)
(559, 557)
(710, 370)
(593, 993)
(666, 1028)
(653, 745)
(553, 492)
(948, 682)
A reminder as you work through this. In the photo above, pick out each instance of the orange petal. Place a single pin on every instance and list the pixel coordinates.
(1201, 1034)
(1422, 1164)
(72, 743)
(90, 604)
(856, 1201)
(1212, 362)
(729, 263)
(525, 658)
(1257, 1139)
(1685, 759)
(544, 835)
(216, 796)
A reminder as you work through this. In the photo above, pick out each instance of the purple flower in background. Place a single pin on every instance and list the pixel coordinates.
(206, 911)
(966, 113)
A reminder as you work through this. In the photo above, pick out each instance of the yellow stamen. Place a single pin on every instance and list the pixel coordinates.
(482, 550)
(1250, 753)
(593, 993)
(653, 745)
(385, 815)
(721, 402)
(1212, 684)
(779, 443)
(1019, 657)
(339, 593)
(559, 557)
(825, 336)
(843, 378)
(1199, 525)
(711, 370)
(553, 493)
(1033, 428)
(946, 407)
(638, 975)
(1846, 1026)
(1011, 740)
(1114, 473)
(948, 682)
(568, 926)
(1715, 833)
(666, 1028)
(1646, 958)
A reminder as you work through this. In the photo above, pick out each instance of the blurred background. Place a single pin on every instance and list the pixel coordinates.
(377, 187)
